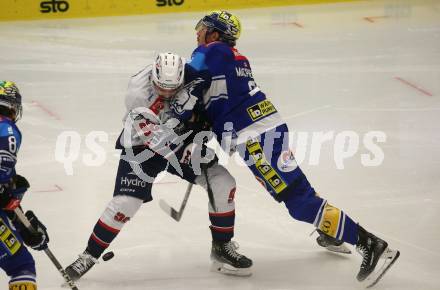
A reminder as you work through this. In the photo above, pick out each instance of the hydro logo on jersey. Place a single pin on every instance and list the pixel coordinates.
(286, 162)
(132, 182)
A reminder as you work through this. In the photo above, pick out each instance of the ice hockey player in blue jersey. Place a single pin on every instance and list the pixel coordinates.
(15, 259)
(244, 120)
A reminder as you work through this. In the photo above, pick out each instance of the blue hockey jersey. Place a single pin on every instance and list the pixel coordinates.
(229, 92)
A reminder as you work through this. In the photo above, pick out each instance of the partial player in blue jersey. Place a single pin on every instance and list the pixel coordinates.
(15, 259)
(244, 120)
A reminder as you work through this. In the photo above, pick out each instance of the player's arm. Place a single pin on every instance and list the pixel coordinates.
(13, 187)
(198, 79)
(10, 140)
(11, 195)
(205, 77)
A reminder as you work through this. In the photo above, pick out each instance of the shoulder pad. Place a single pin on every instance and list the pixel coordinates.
(8, 128)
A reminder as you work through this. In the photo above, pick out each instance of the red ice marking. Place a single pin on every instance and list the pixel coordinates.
(57, 188)
(49, 112)
(372, 18)
(425, 92)
(297, 24)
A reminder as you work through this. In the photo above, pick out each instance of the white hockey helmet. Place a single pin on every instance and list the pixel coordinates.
(168, 71)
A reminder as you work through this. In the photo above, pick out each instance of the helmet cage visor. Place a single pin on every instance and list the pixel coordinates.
(10, 98)
(165, 92)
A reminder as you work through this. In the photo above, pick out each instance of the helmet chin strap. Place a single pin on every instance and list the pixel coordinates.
(220, 38)
(208, 33)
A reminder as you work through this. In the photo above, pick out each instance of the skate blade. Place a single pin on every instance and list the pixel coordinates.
(227, 269)
(389, 257)
(342, 249)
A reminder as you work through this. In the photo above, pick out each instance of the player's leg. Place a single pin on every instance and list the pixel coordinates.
(15, 259)
(21, 269)
(223, 253)
(129, 194)
(276, 169)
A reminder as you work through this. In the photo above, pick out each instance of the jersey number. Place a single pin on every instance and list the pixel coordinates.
(252, 85)
(12, 144)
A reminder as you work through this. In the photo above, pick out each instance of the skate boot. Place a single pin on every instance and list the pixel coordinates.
(226, 260)
(331, 243)
(81, 266)
(372, 249)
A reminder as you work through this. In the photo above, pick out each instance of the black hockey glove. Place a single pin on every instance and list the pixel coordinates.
(12, 193)
(38, 238)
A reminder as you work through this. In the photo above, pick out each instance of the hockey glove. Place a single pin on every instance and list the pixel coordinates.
(11, 194)
(38, 238)
(183, 101)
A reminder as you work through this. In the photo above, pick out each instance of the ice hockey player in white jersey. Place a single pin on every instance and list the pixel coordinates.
(152, 141)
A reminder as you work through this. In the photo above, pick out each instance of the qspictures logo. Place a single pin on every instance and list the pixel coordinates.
(163, 3)
(54, 6)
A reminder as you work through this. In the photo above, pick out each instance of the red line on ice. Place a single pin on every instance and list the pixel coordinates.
(57, 188)
(423, 91)
(49, 112)
(371, 18)
(297, 24)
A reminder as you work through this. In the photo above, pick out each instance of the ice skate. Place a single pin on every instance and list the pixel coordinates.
(374, 250)
(226, 260)
(332, 244)
(81, 266)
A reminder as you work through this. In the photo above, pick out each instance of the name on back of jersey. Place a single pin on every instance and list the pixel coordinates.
(244, 72)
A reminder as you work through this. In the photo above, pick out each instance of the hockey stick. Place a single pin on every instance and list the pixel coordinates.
(208, 187)
(48, 252)
(176, 215)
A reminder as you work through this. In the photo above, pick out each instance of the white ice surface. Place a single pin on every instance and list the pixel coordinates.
(337, 73)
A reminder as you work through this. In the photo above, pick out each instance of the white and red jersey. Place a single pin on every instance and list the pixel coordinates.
(146, 110)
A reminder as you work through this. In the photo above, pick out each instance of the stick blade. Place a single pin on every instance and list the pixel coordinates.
(169, 210)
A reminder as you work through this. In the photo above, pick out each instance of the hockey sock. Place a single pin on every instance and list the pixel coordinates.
(329, 219)
(101, 238)
(23, 279)
(119, 211)
(222, 225)
(335, 223)
(22, 285)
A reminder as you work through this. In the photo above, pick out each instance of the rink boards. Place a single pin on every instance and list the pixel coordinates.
(56, 9)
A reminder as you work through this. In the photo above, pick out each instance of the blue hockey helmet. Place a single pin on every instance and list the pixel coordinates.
(225, 23)
(10, 98)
